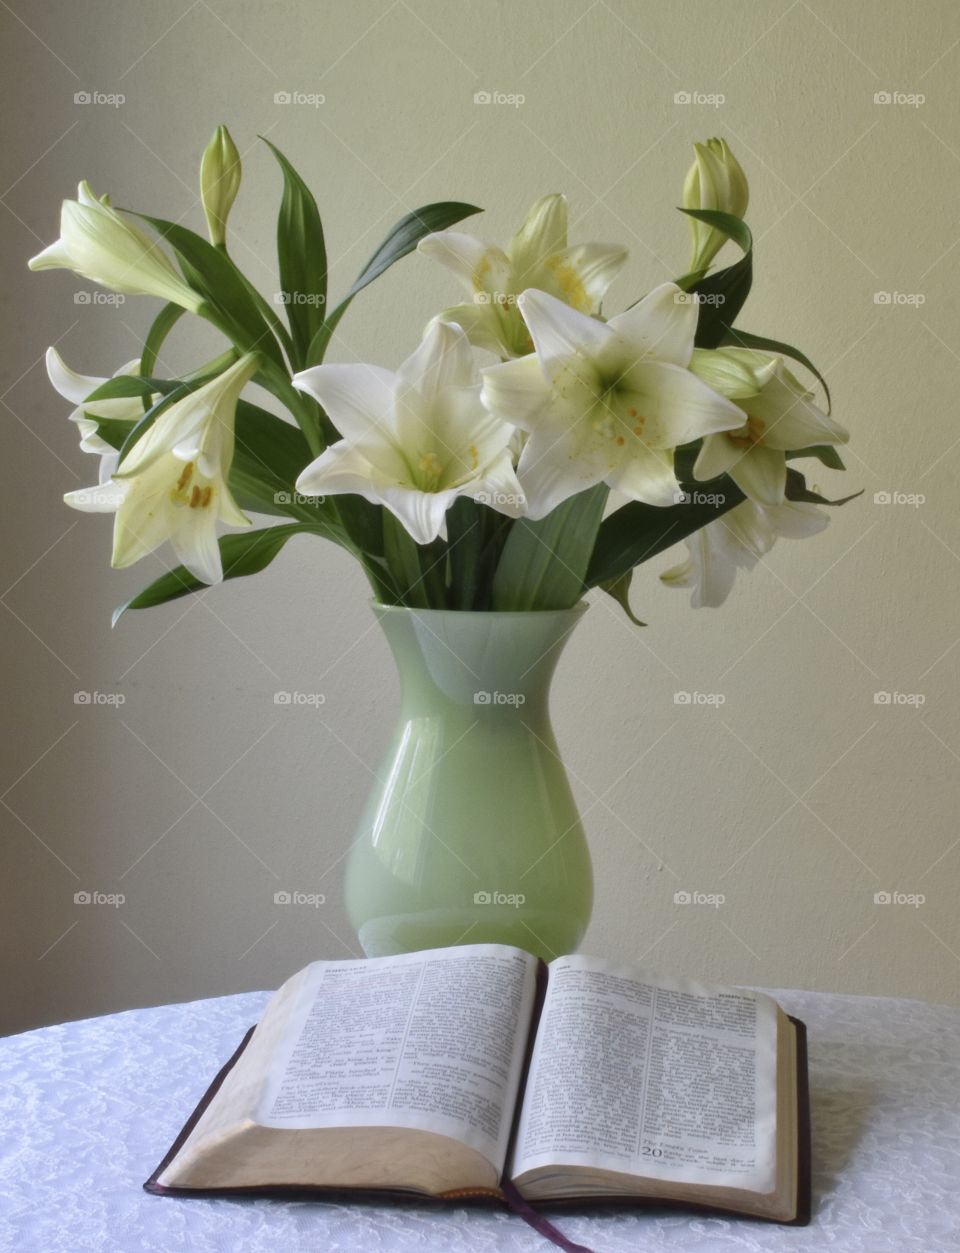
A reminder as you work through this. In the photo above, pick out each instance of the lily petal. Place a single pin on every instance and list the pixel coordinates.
(582, 274)
(649, 477)
(515, 390)
(543, 233)
(550, 472)
(678, 407)
(761, 474)
(422, 514)
(558, 331)
(663, 324)
(716, 457)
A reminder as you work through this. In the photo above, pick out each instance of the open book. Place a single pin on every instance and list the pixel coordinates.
(479, 1070)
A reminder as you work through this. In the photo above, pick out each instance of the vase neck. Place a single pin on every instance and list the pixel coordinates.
(493, 661)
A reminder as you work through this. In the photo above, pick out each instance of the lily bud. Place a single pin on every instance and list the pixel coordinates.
(101, 245)
(219, 182)
(715, 181)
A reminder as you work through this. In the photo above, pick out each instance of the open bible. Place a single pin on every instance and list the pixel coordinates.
(481, 1071)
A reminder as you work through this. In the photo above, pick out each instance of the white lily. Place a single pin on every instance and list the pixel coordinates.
(737, 541)
(101, 245)
(538, 256)
(416, 439)
(606, 402)
(173, 482)
(76, 388)
(778, 416)
(715, 181)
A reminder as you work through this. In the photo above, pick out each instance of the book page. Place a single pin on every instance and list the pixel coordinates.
(647, 1075)
(432, 1040)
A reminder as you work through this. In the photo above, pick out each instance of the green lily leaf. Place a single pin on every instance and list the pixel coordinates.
(465, 538)
(163, 324)
(619, 589)
(302, 257)
(242, 553)
(721, 296)
(402, 239)
(128, 385)
(735, 338)
(823, 452)
(210, 272)
(544, 563)
(797, 490)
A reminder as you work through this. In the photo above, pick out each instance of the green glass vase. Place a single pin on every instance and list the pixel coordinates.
(471, 833)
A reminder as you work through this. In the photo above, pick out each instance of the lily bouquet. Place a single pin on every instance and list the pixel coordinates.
(456, 484)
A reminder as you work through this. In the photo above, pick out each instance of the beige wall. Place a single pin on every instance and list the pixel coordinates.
(198, 798)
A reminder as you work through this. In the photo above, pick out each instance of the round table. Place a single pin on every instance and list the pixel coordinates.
(87, 1109)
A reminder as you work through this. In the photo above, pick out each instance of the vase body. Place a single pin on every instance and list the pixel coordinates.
(471, 834)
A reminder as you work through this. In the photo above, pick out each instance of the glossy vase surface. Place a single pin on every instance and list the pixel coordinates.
(471, 833)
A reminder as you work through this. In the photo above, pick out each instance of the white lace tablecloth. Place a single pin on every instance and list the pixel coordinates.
(87, 1109)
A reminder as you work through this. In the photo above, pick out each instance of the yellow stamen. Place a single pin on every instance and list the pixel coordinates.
(748, 435)
(431, 469)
